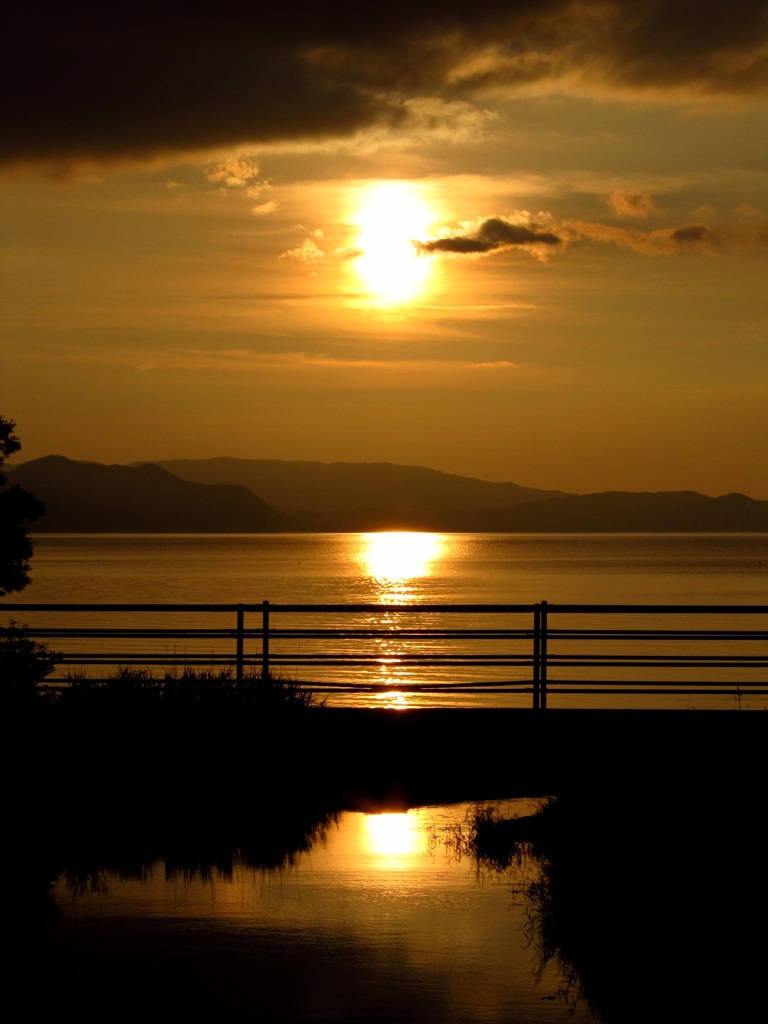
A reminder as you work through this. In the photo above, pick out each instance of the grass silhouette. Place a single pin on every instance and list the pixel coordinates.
(189, 688)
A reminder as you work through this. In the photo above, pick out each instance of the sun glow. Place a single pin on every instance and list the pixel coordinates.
(391, 215)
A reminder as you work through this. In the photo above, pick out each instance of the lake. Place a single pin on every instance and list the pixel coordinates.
(415, 569)
(401, 567)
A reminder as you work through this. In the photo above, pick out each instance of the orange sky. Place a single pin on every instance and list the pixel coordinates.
(518, 241)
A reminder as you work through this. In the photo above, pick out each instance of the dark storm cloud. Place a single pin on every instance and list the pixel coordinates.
(492, 234)
(720, 46)
(118, 80)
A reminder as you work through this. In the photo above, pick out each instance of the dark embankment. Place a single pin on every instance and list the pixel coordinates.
(345, 758)
(654, 886)
(654, 902)
(653, 893)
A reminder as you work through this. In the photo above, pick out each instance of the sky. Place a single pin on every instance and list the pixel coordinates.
(520, 241)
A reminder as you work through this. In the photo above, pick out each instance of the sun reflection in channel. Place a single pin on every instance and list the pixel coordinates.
(393, 836)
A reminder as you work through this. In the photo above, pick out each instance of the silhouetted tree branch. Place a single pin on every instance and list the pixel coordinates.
(17, 508)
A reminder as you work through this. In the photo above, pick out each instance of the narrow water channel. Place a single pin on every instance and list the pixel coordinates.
(379, 917)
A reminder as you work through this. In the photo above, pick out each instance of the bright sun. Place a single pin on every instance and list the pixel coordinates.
(390, 216)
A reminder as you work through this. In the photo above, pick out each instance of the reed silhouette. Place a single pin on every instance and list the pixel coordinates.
(212, 689)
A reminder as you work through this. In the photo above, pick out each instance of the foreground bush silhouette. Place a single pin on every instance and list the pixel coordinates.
(206, 689)
(23, 664)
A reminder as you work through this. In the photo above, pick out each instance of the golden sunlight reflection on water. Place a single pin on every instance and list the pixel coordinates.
(378, 920)
(395, 561)
(392, 837)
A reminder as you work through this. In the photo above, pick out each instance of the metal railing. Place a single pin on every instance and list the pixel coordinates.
(420, 649)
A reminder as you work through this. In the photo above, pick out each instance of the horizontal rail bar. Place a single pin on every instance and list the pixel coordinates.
(658, 634)
(658, 659)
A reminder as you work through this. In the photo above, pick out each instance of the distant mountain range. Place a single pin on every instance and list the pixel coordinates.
(342, 496)
(86, 497)
(227, 495)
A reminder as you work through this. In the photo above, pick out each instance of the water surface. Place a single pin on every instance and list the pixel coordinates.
(424, 567)
(379, 920)
(416, 569)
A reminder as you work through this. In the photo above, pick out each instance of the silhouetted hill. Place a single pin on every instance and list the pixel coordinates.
(626, 512)
(361, 495)
(91, 498)
(367, 496)
(230, 496)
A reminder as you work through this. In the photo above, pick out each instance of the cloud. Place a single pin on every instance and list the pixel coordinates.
(696, 236)
(148, 81)
(237, 172)
(263, 209)
(747, 231)
(307, 252)
(491, 235)
(664, 241)
(627, 202)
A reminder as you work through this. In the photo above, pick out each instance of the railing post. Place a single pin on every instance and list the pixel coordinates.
(240, 644)
(265, 641)
(536, 656)
(543, 656)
